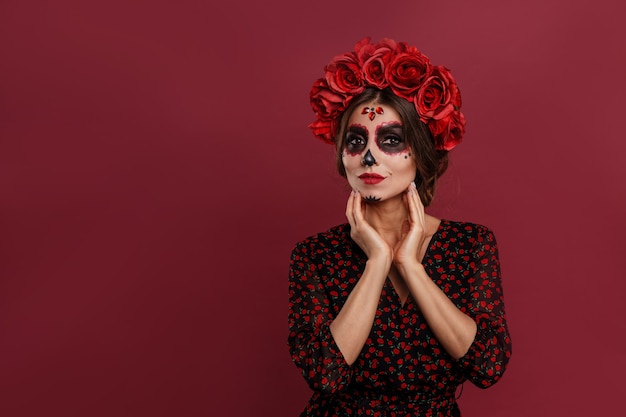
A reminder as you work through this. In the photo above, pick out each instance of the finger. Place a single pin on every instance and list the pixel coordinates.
(350, 209)
(412, 204)
(358, 208)
(418, 199)
(419, 206)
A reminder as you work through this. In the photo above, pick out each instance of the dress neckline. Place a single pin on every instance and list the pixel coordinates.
(404, 304)
(435, 237)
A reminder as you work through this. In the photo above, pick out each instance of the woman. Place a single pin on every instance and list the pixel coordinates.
(390, 313)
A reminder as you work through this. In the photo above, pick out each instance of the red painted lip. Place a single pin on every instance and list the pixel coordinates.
(371, 178)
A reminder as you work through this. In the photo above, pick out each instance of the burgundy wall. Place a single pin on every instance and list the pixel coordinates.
(156, 169)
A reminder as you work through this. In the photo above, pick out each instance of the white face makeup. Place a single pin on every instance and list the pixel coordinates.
(375, 154)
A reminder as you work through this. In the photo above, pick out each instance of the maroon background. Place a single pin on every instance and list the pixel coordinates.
(156, 169)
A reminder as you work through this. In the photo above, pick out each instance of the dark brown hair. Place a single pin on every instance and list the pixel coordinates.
(431, 163)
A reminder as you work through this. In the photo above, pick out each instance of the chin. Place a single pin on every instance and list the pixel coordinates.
(372, 199)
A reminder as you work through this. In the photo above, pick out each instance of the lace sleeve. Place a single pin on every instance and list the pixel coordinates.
(486, 360)
(311, 344)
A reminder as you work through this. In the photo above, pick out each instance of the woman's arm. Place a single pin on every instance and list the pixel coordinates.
(312, 347)
(353, 324)
(452, 328)
(488, 356)
(323, 355)
(477, 334)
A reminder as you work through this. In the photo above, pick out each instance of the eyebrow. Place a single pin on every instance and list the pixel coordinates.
(388, 127)
(357, 128)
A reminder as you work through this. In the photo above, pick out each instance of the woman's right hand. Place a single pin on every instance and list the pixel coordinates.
(363, 233)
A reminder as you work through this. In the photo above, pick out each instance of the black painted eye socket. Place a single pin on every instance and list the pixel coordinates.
(354, 142)
(392, 143)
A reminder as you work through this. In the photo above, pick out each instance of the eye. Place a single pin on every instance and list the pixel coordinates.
(354, 141)
(391, 140)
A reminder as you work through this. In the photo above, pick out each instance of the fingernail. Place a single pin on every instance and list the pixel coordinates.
(413, 184)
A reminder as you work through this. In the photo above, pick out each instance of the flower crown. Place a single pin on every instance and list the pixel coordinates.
(404, 69)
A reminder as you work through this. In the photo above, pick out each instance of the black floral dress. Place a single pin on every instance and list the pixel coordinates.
(402, 369)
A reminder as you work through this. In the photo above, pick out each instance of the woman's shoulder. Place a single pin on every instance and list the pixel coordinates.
(452, 229)
(338, 235)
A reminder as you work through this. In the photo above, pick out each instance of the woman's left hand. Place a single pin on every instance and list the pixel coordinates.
(407, 250)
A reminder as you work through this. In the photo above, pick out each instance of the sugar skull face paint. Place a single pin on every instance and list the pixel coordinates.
(376, 155)
(371, 199)
(368, 159)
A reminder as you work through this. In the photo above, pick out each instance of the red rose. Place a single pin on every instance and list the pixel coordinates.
(447, 132)
(374, 60)
(325, 102)
(389, 43)
(344, 75)
(456, 130)
(323, 130)
(363, 48)
(406, 73)
(439, 130)
(405, 48)
(438, 96)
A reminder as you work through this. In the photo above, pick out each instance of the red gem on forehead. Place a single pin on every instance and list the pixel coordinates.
(372, 112)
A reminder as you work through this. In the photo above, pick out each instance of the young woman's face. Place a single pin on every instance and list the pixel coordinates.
(375, 154)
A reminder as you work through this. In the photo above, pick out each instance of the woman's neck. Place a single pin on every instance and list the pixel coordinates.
(387, 217)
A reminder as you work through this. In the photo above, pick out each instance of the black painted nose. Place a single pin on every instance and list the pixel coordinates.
(369, 159)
